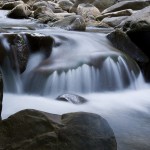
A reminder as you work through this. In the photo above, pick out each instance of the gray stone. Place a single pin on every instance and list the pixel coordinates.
(20, 11)
(126, 12)
(75, 22)
(65, 4)
(114, 21)
(100, 4)
(134, 5)
(11, 5)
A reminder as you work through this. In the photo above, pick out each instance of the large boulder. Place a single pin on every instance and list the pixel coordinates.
(19, 12)
(35, 130)
(1, 93)
(72, 98)
(139, 21)
(100, 4)
(11, 5)
(75, 22)
(134, 5)
(121, 41)
(137, 27)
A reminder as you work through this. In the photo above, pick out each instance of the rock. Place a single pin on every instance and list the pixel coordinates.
(126, 12)
(121, 41)
(11, 5)
(65, 4)
(20, 11)
(39, 4)
(56, 8)
(103, 4)
(100, 4)
(72, 98)
(88, 11)
(139, 21)
(35, 130)
(21, 49)
(70, 23)
(1, 94)
(134, 5)
(44, 15)
(39, 42)
(137, 28)
(114, 21)
(16, 49)
(61, 16)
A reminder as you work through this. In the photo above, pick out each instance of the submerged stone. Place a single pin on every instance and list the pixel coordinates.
(72, 98)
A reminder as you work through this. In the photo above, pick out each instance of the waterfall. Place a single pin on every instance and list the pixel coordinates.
(95, 67)
(79, 63)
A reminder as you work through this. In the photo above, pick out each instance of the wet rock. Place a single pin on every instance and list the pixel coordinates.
(126, 12)
(15, 47)
(65, 4)
(11, 5)
(35, 130)
(114, 21)
(70, 23)
(1, 93)
(88, 11)
(39, 42)
(121, 41)
(20, 11)
(134, 5)
(72, 98)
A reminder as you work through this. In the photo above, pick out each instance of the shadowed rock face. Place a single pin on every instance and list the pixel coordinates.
(1, 93)
(35, 130)
(121, 41)
(137, 27)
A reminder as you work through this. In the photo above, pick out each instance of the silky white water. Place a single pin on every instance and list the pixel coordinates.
(128, 112)
(85, 64)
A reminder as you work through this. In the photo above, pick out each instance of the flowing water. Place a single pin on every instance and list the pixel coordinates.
(88, 65)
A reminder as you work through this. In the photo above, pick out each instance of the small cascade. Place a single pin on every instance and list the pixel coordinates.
(73, 67)
(112, 75)
(11, 78)
(87, 79)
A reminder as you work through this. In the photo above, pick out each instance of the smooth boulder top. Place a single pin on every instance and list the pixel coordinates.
(134, 5)
(36, 130)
